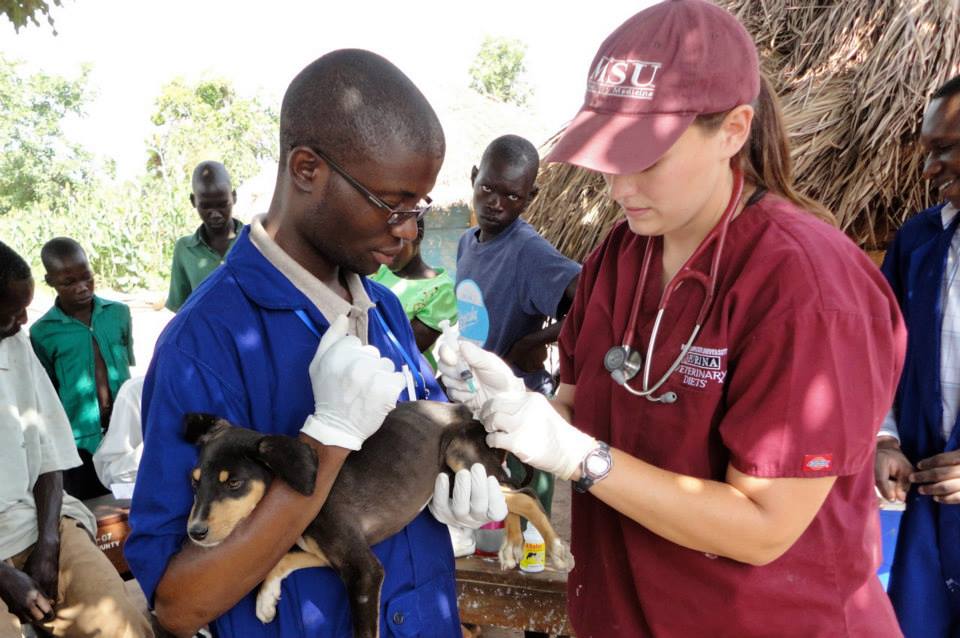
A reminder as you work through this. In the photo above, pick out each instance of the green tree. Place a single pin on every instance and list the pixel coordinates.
(207, 121)
(127, 228)
(498, 68)
(19, 11)
(39, 166)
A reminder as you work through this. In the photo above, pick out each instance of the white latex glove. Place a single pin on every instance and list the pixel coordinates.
(354, 389)
(491, 375)
(527, 425)
(476, 501)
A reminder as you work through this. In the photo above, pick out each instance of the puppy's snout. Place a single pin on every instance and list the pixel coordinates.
(198, 532)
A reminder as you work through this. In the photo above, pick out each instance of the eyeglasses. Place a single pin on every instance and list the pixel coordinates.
(397, 215)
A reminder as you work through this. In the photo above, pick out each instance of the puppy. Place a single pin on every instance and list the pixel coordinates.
(380, 489)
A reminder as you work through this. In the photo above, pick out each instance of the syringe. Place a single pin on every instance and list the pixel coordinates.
(449, 337)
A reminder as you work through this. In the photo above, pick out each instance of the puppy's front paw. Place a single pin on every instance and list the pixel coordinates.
(267, 599)
(510, 554)
(559, 556)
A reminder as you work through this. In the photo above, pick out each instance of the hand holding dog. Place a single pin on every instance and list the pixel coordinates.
(527, 425)
(476, 501)
(354, 389)
(492, 376)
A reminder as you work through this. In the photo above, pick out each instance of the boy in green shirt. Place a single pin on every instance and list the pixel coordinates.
(85, 343)
(196, 256)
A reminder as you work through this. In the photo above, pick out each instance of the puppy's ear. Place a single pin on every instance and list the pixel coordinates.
(293, 461)
(200, 428)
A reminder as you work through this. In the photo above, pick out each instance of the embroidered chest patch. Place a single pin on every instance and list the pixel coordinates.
(704, 366)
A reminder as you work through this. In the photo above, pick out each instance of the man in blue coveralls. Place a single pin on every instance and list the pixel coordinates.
(360, 148)
(918, 447)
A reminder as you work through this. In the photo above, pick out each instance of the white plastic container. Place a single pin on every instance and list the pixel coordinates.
(489, 538)
(534, 550)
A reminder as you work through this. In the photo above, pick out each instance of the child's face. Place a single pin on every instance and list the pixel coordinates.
(73, 281)
(214, 203)
(13, 306)
(501, 191)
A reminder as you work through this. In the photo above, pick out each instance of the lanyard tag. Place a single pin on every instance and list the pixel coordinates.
(411, 385)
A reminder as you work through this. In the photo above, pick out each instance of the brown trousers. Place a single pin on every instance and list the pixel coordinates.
(91, 601)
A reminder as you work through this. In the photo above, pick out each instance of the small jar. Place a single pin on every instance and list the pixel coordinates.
(534, 550)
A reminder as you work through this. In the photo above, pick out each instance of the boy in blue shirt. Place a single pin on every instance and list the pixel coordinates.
(360, 150)
(509, 278)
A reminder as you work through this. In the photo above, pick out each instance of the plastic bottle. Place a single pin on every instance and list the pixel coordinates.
(489, 538)
(534, 550)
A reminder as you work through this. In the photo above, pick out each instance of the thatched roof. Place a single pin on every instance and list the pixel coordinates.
(854, 77)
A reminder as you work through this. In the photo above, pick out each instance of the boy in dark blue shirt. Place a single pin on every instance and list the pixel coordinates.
(509, 278)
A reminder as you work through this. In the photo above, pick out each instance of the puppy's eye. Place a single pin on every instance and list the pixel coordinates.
(234, 484)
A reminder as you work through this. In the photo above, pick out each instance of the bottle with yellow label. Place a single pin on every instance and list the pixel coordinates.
(534, 550)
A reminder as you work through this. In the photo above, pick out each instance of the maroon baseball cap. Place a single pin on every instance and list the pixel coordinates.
(651, 78)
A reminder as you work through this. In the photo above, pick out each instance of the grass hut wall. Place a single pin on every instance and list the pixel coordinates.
(853, 78)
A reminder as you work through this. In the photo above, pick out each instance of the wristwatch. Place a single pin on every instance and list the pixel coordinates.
(594, 467)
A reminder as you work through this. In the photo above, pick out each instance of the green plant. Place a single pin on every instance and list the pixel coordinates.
(127, 228)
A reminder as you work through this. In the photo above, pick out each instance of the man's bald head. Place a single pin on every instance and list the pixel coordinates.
(349, 102)
(209, 174)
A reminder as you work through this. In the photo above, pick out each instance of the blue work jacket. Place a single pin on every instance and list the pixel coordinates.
(925, 576)
(239, 349)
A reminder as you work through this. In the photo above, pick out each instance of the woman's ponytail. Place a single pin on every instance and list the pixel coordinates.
(765, 158)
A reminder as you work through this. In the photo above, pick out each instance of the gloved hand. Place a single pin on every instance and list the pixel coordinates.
(354, 389)
(527, 425)
(476, 501)
(491, 376)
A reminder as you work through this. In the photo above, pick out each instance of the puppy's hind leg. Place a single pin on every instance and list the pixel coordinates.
(358, 568)
(269, 593)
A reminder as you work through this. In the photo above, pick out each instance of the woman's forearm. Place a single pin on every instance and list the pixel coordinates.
(747, 519)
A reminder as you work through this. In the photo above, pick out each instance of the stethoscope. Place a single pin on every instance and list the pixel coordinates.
(623, 362)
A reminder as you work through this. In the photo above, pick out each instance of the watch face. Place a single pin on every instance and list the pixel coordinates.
(598, 463)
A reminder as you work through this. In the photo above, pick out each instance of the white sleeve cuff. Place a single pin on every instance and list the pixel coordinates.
(329, 435)
(889, 426)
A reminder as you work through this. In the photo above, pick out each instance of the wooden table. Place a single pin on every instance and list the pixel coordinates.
(112, 528)
(512, 599)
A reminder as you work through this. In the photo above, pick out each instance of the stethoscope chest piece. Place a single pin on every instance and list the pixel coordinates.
(623, 363)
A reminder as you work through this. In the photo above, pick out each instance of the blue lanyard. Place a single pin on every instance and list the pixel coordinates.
(419, 381)
(411, 364)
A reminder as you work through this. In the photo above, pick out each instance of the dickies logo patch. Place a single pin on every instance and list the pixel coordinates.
(817, 462)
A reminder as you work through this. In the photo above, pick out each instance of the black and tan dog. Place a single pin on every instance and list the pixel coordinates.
(379, 490)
